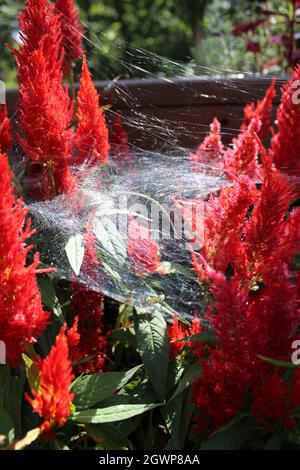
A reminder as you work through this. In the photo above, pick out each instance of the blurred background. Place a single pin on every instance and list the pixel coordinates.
(207, 36)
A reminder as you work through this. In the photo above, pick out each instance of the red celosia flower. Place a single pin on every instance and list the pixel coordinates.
(210, 151)
(5, 130)
(176, 331)
(45, 114)
(73, 341)
(87, 304)
(92, 132)
(224, 219)
(271, 403)
(72, 32)
(262, 111)
(45, 110)
(119, 143)
(242, 158)
(265, 231)
(219, 393)
(21, 315)
(143, 252)
(38, 22)
(286, 143)
(53, 399)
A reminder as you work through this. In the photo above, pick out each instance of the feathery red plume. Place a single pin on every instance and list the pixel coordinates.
(242, 158)
(72, 32)
(21, 314)
(286, 143)
(211, 150)
(92, 132)
(5, 130)
(53, 399)
(261, 111)
(119, 143)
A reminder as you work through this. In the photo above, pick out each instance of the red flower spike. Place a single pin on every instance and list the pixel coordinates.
(224, 219)
(119, 143)
(286, 143)
(143, 252)
(261, 111)
(38, 22)
(5, 130)
(92, 133)
(219, 393)
(72, 32)
(176, 331)
(265, 230)
(88, 305)
(242, 158)
(211, 151)
(271, 403)
(21, 314)
(53, 400)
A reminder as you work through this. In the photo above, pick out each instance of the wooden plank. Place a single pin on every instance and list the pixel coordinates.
(167, 113)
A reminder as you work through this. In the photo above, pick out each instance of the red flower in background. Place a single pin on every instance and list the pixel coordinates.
(119, 149)
(261, 111)
(72, 32)
(53, 399)
(143, 252)
(5, 130)
(211, 150)
(286, 143)
(92, 133)
(21, 314)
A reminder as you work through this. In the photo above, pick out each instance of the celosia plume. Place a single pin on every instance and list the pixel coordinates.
(286, 143)
(143, 252)
(53, 399)
(211, 150)
(22, 318)
(261, 111)
(92, 132)
(45, 110)
(242, 159)
(5, 130)
(119, 150)
(72, 32)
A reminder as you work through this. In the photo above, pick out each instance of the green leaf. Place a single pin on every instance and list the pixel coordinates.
(92, 389)
(110, 238)
(32, 373)
(234, 438)
(275, 441)
(6, 427)
(47, 291)
(193, 372)
(109, 436)
(11, 391)
(172, 413)
(206, 337)
(75, 252)
(277, 363)
(112, 413)
(153, 344)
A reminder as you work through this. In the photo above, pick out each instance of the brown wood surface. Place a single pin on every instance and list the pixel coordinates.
(167, 113)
